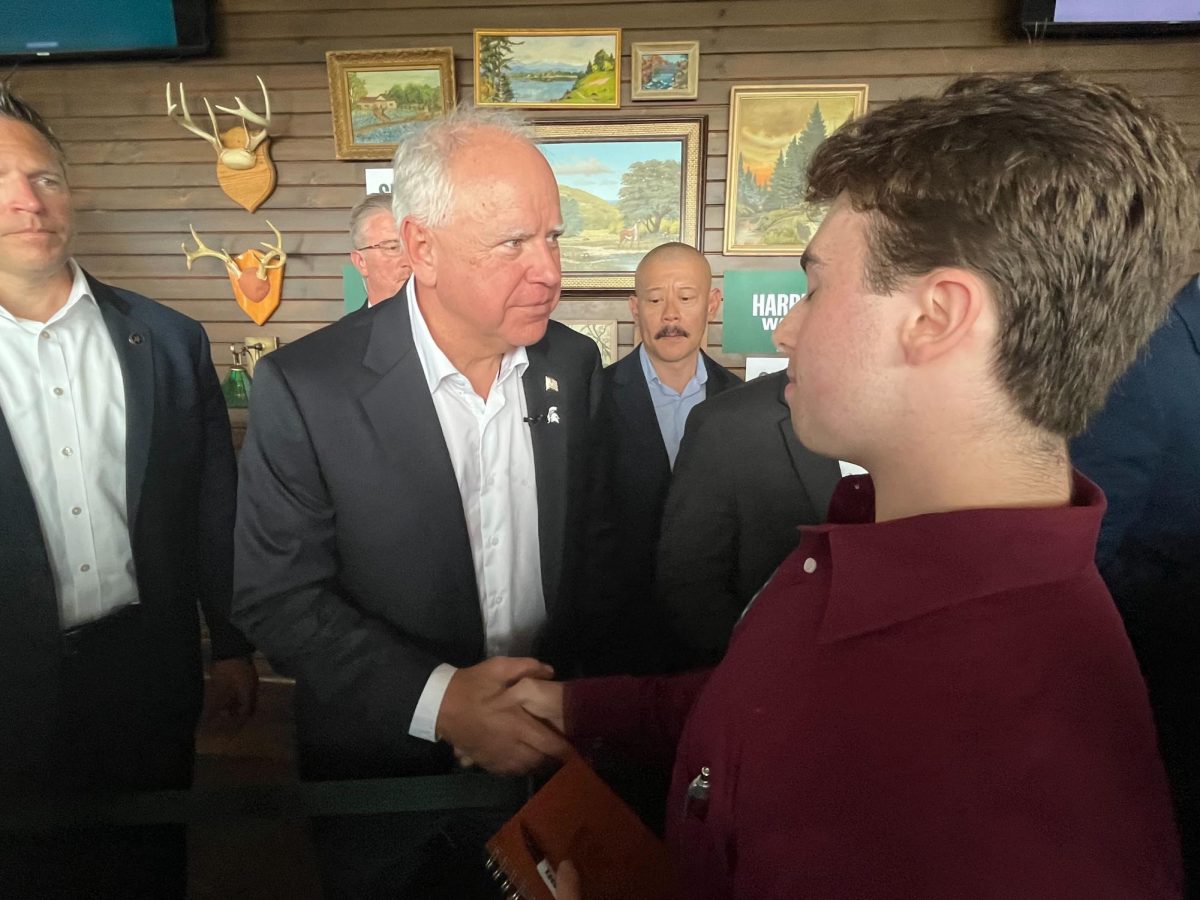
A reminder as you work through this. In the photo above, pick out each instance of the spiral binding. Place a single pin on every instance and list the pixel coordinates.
(495, 863)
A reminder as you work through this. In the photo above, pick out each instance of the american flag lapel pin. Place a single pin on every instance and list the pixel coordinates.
(551, 384)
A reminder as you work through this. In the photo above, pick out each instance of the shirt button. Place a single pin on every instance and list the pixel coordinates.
(45, 335)
(67, 451)
(58, 392)
(495, 541)
(85, 568)
(810, 565)
(75, 510)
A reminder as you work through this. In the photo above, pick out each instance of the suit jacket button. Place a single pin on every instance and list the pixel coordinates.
(135, 338)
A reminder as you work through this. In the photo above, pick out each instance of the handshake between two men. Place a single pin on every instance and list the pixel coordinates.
(504, 715)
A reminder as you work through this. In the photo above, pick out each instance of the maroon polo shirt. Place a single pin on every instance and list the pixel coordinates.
(944, 706)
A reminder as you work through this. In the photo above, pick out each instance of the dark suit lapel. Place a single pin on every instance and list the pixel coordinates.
(719, 378)
(818, 475)
(134, 343)
(399, 405)
(546, 402)
(631, 396)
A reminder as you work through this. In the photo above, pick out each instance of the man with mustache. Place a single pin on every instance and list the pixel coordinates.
(647, 398)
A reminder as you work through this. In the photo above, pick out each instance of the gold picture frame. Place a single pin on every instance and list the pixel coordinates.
(626, 186)
(378, 95)
(548, 68)
(773, 131)
(664, 70)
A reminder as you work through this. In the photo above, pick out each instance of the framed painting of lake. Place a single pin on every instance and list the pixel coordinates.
(548, 68)
(773, 132)
(378, 96)
(625, 187)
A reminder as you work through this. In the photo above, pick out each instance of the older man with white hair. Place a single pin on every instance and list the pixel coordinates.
(413, 502)
(378, 254)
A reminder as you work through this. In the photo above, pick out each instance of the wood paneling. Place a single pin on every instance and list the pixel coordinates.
(140, 181)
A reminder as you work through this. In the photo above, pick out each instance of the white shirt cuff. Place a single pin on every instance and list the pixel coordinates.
(424, 720)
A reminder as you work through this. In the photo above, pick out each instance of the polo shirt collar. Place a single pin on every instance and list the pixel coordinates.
(886, 573)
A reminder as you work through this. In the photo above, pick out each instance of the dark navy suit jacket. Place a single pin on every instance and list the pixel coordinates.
(180, 492)
(638, 475)
(1143, 449)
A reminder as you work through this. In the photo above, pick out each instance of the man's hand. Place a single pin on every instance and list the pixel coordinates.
(231, 692)
(541, 699)
(487, 727)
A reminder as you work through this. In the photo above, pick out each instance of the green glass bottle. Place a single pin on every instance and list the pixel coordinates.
(236, 386)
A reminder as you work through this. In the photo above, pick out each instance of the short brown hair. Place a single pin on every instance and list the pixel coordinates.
(1073, 199)
(13, 107)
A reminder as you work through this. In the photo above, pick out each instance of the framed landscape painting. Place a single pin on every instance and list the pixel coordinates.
(773, 131)
(548, 68)
(665, 71)
(625, 187)
(378, 96)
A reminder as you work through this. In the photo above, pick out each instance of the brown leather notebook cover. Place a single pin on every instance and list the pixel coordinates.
(576, 816)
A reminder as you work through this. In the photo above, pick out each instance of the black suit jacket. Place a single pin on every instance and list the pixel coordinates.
(180, 491)
(743, 484)
(637, 472)
(353, 564)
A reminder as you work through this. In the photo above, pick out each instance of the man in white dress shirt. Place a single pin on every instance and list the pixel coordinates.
(413, 504)
(116, 491)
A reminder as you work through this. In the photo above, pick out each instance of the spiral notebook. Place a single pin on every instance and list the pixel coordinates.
(576, 816)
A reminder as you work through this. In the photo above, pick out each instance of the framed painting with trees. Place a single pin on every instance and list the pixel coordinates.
(773, 131)
(548, 68)
(378, 96)
(626, 187)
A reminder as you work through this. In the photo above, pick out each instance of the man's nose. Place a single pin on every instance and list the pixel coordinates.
(544, 268)
(22, 195)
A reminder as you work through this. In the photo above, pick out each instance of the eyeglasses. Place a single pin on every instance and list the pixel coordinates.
(391, 248)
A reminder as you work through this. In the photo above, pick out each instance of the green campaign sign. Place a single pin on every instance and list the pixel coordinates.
(755, 301)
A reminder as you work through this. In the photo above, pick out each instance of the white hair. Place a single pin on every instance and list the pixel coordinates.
(422, 187)
(366, 208)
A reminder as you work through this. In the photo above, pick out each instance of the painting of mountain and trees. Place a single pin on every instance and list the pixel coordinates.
(547, 68)
(774, 131)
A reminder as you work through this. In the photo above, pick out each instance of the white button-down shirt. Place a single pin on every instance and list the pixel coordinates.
(63, 397)
(492, 453)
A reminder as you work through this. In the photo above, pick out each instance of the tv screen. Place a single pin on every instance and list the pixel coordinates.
(1109, 18)
(74, 29)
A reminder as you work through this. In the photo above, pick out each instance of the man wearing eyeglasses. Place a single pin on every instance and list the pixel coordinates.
(378, 254)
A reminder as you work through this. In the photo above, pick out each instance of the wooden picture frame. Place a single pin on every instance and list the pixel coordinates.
(602, 331)
(378, 95)
(664, 70)
(548, 68)
(626, 186)
(773, 131)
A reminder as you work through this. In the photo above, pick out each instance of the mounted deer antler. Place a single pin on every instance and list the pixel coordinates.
(256, 277)
(244, 167)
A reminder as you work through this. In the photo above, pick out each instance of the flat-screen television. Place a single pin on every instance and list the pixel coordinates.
(32, 30)
(1109, 18)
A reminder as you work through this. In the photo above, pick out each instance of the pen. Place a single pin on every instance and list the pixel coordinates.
(543, 864)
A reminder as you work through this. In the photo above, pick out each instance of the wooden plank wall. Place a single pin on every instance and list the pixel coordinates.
(139, 179)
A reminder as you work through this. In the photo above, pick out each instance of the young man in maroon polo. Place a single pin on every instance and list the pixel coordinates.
(933, 697)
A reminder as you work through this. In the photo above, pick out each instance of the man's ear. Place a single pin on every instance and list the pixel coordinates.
(633, 307)
(359, 262)
(714, 300)
(947, 305)
(422, 253)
